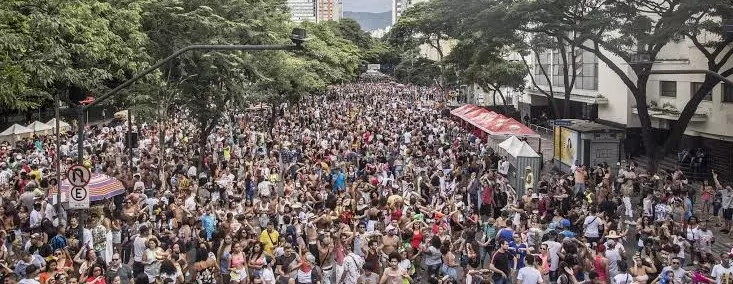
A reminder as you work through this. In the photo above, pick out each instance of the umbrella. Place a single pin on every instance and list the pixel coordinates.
(38, 126)
(100, 187)
(63, 125)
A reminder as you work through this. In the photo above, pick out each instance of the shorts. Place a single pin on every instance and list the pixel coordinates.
(716, 209)
(728, 214)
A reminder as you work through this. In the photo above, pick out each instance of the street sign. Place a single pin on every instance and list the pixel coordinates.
(560, 122)
(78, 175)
(78, 198)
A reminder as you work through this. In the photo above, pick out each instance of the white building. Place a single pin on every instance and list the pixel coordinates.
(600, 95)
(303, 10)
(315, 10)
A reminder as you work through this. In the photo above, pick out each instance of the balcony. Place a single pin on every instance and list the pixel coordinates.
(596, 99)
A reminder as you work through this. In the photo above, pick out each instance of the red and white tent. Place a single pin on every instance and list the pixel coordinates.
(493, 123)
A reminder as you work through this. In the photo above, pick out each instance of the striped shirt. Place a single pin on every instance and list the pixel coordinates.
(5, 176)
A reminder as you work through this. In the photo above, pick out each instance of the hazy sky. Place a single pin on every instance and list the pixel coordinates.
(367, 5)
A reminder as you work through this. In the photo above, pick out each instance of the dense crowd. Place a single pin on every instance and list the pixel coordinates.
(369, 183)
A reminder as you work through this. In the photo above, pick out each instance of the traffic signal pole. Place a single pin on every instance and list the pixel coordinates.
(82, 109)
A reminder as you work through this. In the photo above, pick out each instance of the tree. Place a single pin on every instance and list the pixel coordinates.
(418, 71)
(206, 83)
(536, 45)
(424, 23)
(52, 46)
(494, 76)
(625, 29)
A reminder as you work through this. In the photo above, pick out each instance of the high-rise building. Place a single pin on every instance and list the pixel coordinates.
(303, 10)
(329, 10)
(398, 7)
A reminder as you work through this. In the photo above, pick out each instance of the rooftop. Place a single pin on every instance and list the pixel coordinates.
(586, 126)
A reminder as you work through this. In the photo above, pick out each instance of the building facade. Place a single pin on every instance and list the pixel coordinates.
(329, 10)
(600, 95)
(315, 10)
(303, 10)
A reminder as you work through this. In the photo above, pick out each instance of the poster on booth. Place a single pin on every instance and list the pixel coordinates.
(566, 145)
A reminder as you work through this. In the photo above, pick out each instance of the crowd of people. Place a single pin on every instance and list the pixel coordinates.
(369, 183)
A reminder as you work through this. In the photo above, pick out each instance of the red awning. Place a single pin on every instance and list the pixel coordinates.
(461, 111)
(492, 122)
(512, 127)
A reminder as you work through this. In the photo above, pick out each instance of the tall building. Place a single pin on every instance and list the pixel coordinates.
(303, 10)
(329, 10)
(399, 7)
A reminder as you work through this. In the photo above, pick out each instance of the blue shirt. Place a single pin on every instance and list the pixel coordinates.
(506, 234)
(224, 263)
(58, 242)
(340, 181)
(568, 234)
(518, 251)
(208, 222)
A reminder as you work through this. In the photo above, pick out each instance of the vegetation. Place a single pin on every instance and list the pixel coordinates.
(82, 46)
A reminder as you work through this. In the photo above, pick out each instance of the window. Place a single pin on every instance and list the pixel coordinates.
(668, 89)
(587, 70)
(694, 86)
(727, 93)
(557, 74)
(544, 63)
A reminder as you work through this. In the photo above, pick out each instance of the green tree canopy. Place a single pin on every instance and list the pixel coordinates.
(52, 46)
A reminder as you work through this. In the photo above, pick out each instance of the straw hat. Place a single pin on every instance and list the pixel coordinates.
(612, 235)
(297, 205)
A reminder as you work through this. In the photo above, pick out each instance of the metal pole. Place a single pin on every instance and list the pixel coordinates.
(80, 156)
(129, 136)
(58, 157)
(80, 139)
(182, 51)
(138, 76)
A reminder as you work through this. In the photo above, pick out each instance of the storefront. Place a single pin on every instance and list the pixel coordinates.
(586, 143)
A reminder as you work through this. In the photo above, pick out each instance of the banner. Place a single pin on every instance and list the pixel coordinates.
(566, 146)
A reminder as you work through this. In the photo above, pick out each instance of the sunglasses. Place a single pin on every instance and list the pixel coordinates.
(675, 262)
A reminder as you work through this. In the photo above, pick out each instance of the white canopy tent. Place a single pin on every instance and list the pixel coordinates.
(521, 156)
(62, 125)
(522, 150)
(40, 127)
(509, 143)
(15, 132)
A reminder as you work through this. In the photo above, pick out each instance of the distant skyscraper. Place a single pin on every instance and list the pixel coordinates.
(399, 7)
(303, 10)
(329, 10)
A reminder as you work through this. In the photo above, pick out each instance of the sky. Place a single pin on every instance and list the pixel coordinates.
(375, 6)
